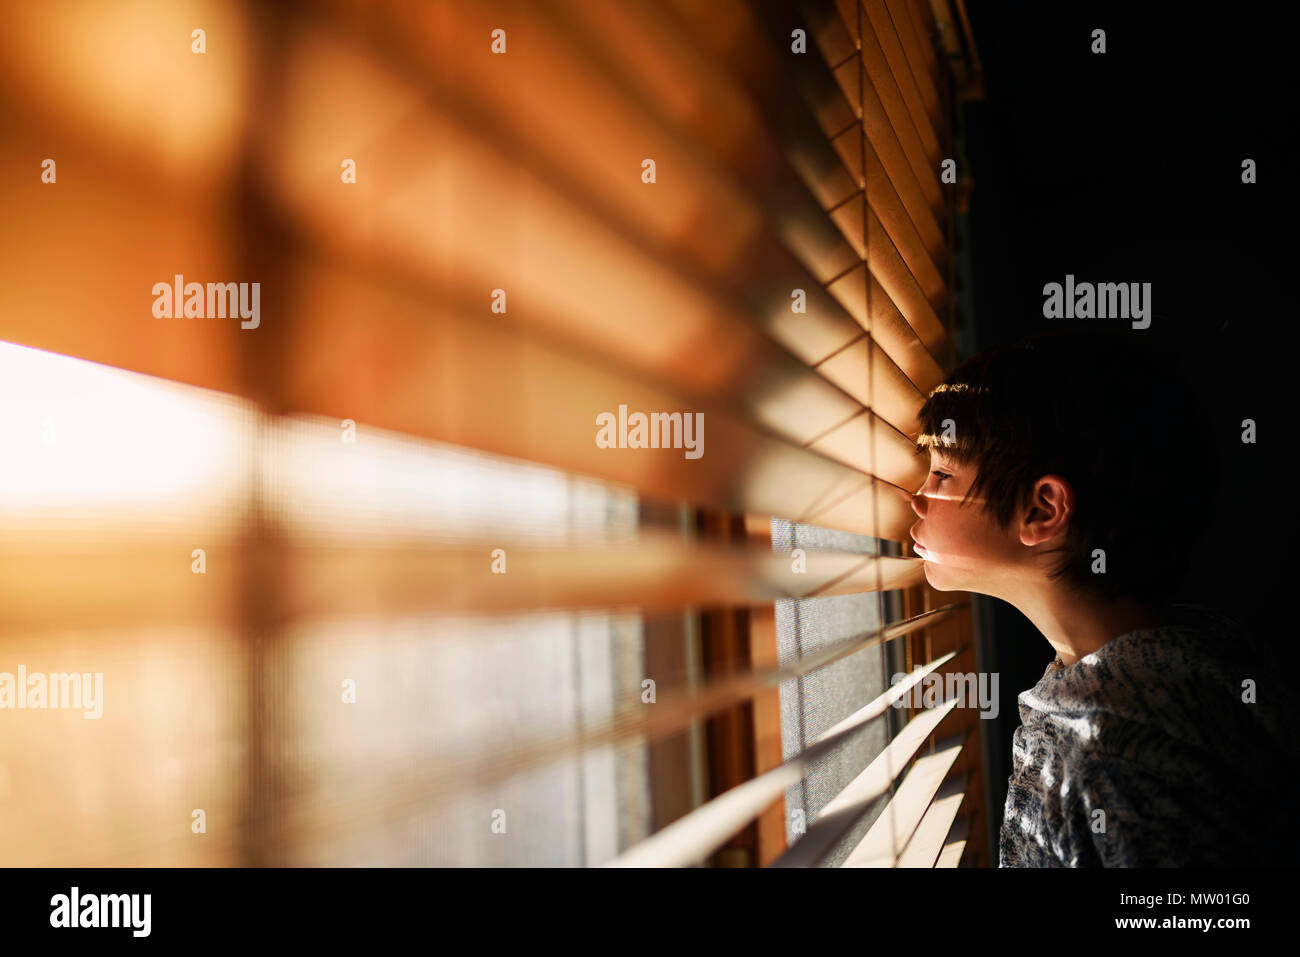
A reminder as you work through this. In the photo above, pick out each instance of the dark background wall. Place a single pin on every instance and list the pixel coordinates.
(1126, 167)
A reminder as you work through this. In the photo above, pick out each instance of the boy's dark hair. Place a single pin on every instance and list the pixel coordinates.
(1112, 414)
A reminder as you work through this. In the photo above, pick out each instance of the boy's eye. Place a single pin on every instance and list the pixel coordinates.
(940, 475)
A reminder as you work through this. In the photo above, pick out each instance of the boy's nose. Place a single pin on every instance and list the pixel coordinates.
(919, 504)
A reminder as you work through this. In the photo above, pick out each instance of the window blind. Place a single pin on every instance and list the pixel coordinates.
(555, 212)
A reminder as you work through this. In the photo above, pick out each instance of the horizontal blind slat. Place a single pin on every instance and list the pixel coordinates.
(928, 840)
(891, 832)
(694, 836)
(919, 68)
(955, 845)
(137, 584)
(848, 807)
(919, 11)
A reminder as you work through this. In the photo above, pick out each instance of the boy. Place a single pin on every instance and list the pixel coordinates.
(1069, 477)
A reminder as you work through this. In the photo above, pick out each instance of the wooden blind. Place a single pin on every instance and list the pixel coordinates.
(557, 211)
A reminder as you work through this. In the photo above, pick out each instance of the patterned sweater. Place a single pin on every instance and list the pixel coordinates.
(1144, 754)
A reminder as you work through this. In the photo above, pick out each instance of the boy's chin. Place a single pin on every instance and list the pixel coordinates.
(947, 578)
(941, 578)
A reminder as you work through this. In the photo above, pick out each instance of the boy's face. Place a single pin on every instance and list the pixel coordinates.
(963, 547)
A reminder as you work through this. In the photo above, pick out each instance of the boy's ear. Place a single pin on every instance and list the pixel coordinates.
(1047, 516)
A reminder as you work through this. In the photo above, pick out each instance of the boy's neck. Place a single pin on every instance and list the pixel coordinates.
(1076, 624)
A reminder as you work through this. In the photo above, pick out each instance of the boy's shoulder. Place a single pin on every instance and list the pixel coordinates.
(1156, 726)
(1186, 687)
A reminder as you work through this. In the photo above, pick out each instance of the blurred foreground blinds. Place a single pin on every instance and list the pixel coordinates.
(326, 328)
